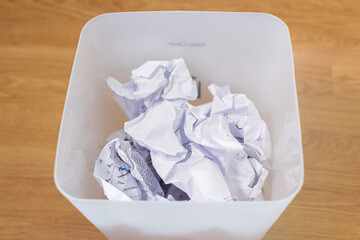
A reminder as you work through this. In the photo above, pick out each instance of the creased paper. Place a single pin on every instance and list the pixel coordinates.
(171, 150)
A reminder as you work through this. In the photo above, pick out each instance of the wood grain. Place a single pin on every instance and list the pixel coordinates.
(37, 45)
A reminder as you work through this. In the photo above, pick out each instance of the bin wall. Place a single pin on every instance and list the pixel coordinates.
(190, 220)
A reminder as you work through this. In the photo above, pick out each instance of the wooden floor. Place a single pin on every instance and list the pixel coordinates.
(38, 40)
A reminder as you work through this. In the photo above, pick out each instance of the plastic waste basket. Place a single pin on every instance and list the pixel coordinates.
(249, 51)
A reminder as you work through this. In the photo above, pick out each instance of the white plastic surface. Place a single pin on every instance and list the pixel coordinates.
(250, 51)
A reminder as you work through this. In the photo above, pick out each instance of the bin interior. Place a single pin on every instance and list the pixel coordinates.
(250, 52)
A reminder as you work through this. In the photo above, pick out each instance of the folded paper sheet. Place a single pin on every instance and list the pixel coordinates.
(217, 151)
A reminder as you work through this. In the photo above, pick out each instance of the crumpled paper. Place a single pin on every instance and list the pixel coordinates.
(217, 151)
(120, 165)
(151, 83)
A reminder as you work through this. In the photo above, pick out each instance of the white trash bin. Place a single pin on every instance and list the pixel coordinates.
(250, 51)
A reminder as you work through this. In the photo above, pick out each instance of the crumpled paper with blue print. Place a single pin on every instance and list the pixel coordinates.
(217, 151)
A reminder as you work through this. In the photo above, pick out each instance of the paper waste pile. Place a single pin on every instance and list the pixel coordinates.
(170, 150)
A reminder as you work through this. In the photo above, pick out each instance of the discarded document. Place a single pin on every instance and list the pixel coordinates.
(170, 150)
